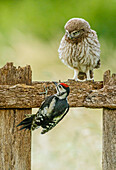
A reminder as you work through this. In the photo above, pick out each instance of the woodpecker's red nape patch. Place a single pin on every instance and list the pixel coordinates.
(63, 84)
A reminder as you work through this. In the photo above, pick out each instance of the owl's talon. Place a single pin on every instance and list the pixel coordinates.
(91, 80)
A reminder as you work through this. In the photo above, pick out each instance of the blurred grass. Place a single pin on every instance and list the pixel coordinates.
(46, 19)
(30, 33)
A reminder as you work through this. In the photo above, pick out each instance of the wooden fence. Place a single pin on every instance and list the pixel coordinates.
(18, 95)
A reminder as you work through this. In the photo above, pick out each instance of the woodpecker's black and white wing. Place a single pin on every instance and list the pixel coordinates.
(60, 109)
(34, 121)
(57, 118)
(43, 112)
(50, 113)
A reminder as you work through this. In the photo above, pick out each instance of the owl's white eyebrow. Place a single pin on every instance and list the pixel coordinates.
(75, 31)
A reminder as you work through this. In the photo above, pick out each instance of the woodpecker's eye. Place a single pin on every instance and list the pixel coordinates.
(60, 86)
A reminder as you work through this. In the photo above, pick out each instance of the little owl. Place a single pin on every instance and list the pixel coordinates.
(80, 49)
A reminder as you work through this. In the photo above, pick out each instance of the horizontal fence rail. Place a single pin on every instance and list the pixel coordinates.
(82, 94)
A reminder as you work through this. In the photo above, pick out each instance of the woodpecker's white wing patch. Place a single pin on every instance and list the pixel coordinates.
(46, 111)
(51, 107)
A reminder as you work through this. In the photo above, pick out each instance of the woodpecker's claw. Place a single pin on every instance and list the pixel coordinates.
(45, 92)
(28, 115)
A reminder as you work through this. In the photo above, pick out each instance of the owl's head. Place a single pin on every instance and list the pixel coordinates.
(76, 28)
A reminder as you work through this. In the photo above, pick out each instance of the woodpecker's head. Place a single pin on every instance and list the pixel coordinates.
(62, 90)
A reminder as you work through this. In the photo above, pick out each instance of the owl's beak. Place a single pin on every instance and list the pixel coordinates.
(69, 36)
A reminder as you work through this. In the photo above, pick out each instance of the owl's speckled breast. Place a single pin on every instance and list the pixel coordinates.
(82, 55)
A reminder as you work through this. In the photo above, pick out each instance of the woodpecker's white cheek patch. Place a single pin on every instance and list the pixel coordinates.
(44, 111)
(63, 96)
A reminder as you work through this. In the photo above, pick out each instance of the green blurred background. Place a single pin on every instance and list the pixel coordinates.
(30, 33)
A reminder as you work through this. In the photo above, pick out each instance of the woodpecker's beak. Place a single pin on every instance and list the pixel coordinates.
(57, 89)
(55, 83)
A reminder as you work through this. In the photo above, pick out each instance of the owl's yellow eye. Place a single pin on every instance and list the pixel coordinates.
(75, 33)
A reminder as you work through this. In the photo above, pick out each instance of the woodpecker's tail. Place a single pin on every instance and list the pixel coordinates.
(26, 123)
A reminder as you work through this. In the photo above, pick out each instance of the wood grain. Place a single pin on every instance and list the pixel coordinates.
(109, 129)
(82, 94)
(15, 146)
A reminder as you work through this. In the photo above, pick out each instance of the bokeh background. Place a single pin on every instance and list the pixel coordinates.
(30, 33)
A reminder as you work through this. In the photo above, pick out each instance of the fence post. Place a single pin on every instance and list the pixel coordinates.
(15, 146)
(109, 130)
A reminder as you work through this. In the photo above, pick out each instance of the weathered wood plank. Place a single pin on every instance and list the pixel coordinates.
(9, 74)
(105, 97)
(109, 128)
(82, 94)
(109, 139)
(25, 96)
(15, 146)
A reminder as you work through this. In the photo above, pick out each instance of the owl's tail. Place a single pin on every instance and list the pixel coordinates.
(98, 64)
(82, 76)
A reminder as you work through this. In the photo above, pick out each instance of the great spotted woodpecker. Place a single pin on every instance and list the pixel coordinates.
(51, 112)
